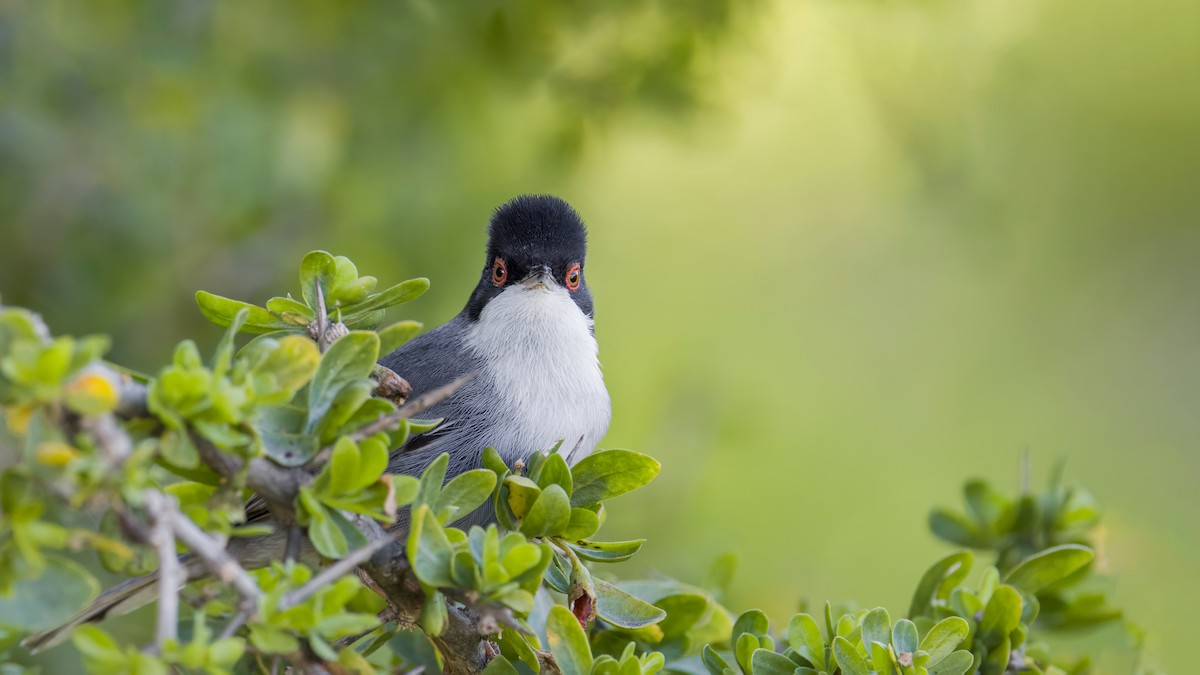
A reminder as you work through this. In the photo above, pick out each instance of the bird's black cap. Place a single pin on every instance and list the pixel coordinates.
(537, 228)
(528, 233)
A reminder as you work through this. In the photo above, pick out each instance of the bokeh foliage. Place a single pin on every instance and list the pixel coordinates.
(936, 232)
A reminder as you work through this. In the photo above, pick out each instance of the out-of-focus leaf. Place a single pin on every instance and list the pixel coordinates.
(607, 551)
(957, 663)
(397, 335)
(622, 609)
(1003, 612)
(63, 588)
(395, 295)
(956, 529)
(942, 574)
(416, 649)
(1049, 567)
(804, 635)
(945, 636)
(904, 637)
(568, 642)
(848, 658)
(767, 662)
(221, 311)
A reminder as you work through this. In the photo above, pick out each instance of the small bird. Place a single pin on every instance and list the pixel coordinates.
(526, 335)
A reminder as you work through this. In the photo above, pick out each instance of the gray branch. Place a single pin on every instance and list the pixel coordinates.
(170, 575)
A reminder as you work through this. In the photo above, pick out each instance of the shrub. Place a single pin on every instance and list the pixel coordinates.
(303, 417)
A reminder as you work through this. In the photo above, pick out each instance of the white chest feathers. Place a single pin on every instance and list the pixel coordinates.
(540, 354)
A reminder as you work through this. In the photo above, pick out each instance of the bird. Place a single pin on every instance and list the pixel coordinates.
(525, 346)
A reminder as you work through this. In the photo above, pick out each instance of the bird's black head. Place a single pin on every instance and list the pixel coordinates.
(534, 239)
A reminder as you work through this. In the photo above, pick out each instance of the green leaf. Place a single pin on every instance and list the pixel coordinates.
(1049, 567)
(804, 635)
(429, 549)
(222, 311)
(348, 359)
(522, 494)
(46, 601)
(940, 576)
(398, 294)
(622, 609)
(583, 524)
(611, 473)
(848, 658)
(280, 305)
(607, 551)
(271, 640)
(568, 642)
(434, 615)
(293, 362)
(397, 335)
(317, 268)
(684, 610)
(715, 663)
(904, 637)
(549, 515)
(554, 471)
(986, 504)
(956, 529)
(877, 627)
(752, 621)
(353, 536)
(431, 481)
(944, 637)
(464, 493)
(743, 651)
(1002, 613)
(416, 649)
(344, 466)
(97, 647)
(767, 662)
(514, 647)
(957, 663)
(499, 666)
(324, 533)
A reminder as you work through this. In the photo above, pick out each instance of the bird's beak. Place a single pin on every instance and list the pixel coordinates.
(539, 277)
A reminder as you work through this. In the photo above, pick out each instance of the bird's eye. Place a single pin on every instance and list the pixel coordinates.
(499, 272)
(573, 277)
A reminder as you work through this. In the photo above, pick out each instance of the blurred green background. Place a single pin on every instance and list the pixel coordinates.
(846, 253)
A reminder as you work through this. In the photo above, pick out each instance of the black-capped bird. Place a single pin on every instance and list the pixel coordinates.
(526, 335)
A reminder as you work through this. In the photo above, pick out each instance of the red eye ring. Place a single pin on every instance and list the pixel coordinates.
(499, 272)
(573, 277)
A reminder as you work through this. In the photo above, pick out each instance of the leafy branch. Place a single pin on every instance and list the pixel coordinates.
(311, 572)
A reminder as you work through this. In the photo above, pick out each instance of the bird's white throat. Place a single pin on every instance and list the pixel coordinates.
(538, 349)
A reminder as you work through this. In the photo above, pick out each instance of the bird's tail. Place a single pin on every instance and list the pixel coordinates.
(121, 599)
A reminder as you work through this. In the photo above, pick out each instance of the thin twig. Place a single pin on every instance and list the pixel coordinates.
(235, 623)
(218, 560)
(170, 574)
(336, 571)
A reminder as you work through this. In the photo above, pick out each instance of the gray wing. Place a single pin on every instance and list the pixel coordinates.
(430, 361)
